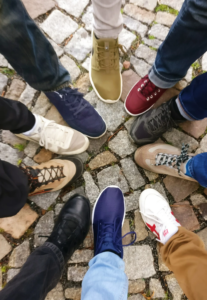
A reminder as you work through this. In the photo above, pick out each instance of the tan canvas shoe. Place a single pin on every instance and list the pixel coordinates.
(105, 75)
(164, 159)
(52, 175)
(57, 138)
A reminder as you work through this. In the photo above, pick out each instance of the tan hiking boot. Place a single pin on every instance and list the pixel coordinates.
(164, 159)
(105, 75)
(52, 175)
(57, 138)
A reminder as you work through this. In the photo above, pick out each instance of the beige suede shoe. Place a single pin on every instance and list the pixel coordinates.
(105, 75)
(164, 159)
(52, 175)
(57, 138)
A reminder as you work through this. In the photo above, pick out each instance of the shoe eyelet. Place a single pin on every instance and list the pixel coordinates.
(147, 98)
(155, 94)
(145, 81)
(151, 97)
(139, 90)
(142, 85)
(158, 91)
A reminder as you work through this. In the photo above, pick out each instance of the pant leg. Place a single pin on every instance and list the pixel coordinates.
(197, 167)
(186, 42)
(13, 189)
(27, 49)
(185, 255)
(39, 275)
(105, 278)
(15, 116)
(108, 21)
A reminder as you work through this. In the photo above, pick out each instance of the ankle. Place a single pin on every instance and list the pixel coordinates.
(175, 112)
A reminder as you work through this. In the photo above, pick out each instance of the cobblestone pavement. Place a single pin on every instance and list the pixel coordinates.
(108, 160)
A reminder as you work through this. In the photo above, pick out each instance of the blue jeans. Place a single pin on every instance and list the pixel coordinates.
(197, 167)
(27, 49)
(105, 279)
(186, 42)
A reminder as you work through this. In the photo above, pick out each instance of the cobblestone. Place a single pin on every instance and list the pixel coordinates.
(5, 247)
(140, 228)
(3, 82)
(140, 66)
(136, 286)
(203, 235)
(79, 190)
(135, 25)
(76, 273)
(9, 154)
(139, 14)
(73, 293)
(46, 200)
(91, 188)
(88, 18)
(70, 66)
(19, 255)
(149, 4)
(132, 201)
(27, 96)
(72, 8)
(43, 228)
(103, 159)
(146, 53)
(159, 31)
(174, 287)
(121, 144)
(176, 4)
(131, 173)
(155, 286)
(165, 18)
(152, 42)
(56, 293)
(126, 38)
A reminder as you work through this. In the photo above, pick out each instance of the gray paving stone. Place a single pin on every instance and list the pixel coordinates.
(113, 115)
(135, 25)
(158, 187)
(126, 38)
(151, 175)
(112, 176)
(56, 293)
(140, 227)
(204, 62)
(83, 156)
(87, 18)
(147, 4)
(11, 273)
(176, 4)
(3, 62)
(81, 256)
(59, 51)
(91, 188)
(197, 199)
(203, 235)
(72, 7)
(162, 265)
(188, 76)
(59, 26)
(165, 18)
(31, 149)
(70, 66)
(42, 105)
(203, 145)
(92, 98)
(19, 255)
(86, 64)
(159, 31)
(136, 286)
(132, 201)
(79, 190)
(73, 293)
(45, 200)
(102, 159)
(9, 154)
(177, 138)
(80, 45)
(43, 228)
(29, 162)
(152, 42)
(96, 144)
(9, 138)
(16, 89)
(139, 262)
(76, 273)
(5, 247)
(37, 8)
(146, 53)
(3, 82)
(136, 297)
(129, 123)
(174, 287)
(156, 287)
(122, 145)
(139, 14)
(131, 173)
(141, 67)
(58, 208)
(27, 96)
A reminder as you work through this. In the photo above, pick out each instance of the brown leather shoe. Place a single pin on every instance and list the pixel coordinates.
(164, 159)
(52, 175)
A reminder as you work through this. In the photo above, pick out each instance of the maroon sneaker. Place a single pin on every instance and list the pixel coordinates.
(142, 97)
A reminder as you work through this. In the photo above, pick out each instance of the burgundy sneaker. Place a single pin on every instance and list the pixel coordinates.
(142, 97)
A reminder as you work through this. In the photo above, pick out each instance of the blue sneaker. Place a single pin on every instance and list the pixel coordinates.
(77, 112)
(107, 219)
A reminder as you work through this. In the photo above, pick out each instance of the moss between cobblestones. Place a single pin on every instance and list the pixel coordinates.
(8, 72)
(166, 8)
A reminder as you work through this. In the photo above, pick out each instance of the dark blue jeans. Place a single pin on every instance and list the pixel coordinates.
(186, 42)
(27, 50)
(197, 167)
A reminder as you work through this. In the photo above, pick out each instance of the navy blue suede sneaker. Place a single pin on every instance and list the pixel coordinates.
(108, 218)
(77, 112)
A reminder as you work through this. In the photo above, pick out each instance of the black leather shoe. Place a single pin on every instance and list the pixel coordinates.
(72, 225)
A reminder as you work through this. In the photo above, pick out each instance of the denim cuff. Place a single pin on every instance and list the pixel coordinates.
(190, 168)
(57, 253)
(159, 80)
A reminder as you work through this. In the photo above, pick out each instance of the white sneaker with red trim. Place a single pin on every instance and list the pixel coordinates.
(157, 215)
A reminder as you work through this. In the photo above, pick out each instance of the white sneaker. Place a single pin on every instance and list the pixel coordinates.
(157, 215)
(57, 138)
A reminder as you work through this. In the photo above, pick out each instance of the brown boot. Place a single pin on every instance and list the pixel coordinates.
(52, 175)
(164, 159)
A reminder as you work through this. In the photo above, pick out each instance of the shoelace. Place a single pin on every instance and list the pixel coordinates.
(148, 89)
(172, 160)
(77, 99)
(109, 61)
(37, 177)
(162, 120)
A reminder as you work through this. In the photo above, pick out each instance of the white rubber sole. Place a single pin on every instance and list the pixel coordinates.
(134, 115)
(110, 186)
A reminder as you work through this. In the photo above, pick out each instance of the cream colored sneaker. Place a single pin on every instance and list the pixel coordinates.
(57, 138)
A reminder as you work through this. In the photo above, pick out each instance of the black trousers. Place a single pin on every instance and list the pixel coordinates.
(16, 117)
(39, 275)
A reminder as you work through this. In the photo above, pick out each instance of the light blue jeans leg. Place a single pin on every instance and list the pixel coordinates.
(105, 279)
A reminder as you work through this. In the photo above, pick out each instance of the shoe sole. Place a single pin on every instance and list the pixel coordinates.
(134, 115)
(82, 149)
(110, 186)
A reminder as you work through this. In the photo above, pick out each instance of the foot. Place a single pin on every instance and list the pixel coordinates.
(150, 126)
(164, 159)
(52, 175)
(57, 138)
(71, 226)
(77, 112)
(157, 215)
(108, 218)
(142, 97)
(105, 75)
